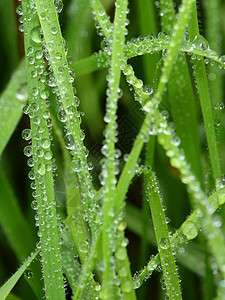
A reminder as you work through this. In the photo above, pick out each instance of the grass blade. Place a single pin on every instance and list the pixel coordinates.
(163, 240)
(182, 99)
(13, 221)
(8, 286)
(204, 96)
(42, 171)
(12, 101)
(108, 171)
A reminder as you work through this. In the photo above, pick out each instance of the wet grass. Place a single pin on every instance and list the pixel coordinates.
(122, 129)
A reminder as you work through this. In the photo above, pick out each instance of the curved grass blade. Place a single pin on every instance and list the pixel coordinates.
(142, 46)
(9, 285)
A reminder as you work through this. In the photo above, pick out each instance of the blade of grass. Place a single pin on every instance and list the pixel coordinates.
(103, 19)
(12, 101)
(11, 282)
(182, 98)
(204, 96)
(108, 171)
(163, 239)
(141, 46)
(17, 230)
(13, 221)
(213, 34)
(42, 172)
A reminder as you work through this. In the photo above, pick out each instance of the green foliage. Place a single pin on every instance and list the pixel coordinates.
(167, 146)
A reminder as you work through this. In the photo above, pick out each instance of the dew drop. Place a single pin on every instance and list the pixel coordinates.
(54, 30)
(127, 286)
(41, 169)
(121, 253)
(164, 243)
(36, 35)
(69, 141)
(28, 273)
(190, 230)
(62, 116)
(26, 134)
(45, 144)
(44, 94)
(27, 151)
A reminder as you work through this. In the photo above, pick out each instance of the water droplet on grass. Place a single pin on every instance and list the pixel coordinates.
(69, 141)
(28, 151)
(190, 230)
(164, 243)
(26, 134)
(126, 286)
(36, 35)
(28, 273)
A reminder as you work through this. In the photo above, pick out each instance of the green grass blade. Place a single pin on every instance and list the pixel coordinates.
(42, 171)
(140, 47)
(9, 285)
(163, 239)
(182, 98)
(12, 100)
(17, 230)
(213, 35)
(13, 221)
(108, 171)
(204, 96)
